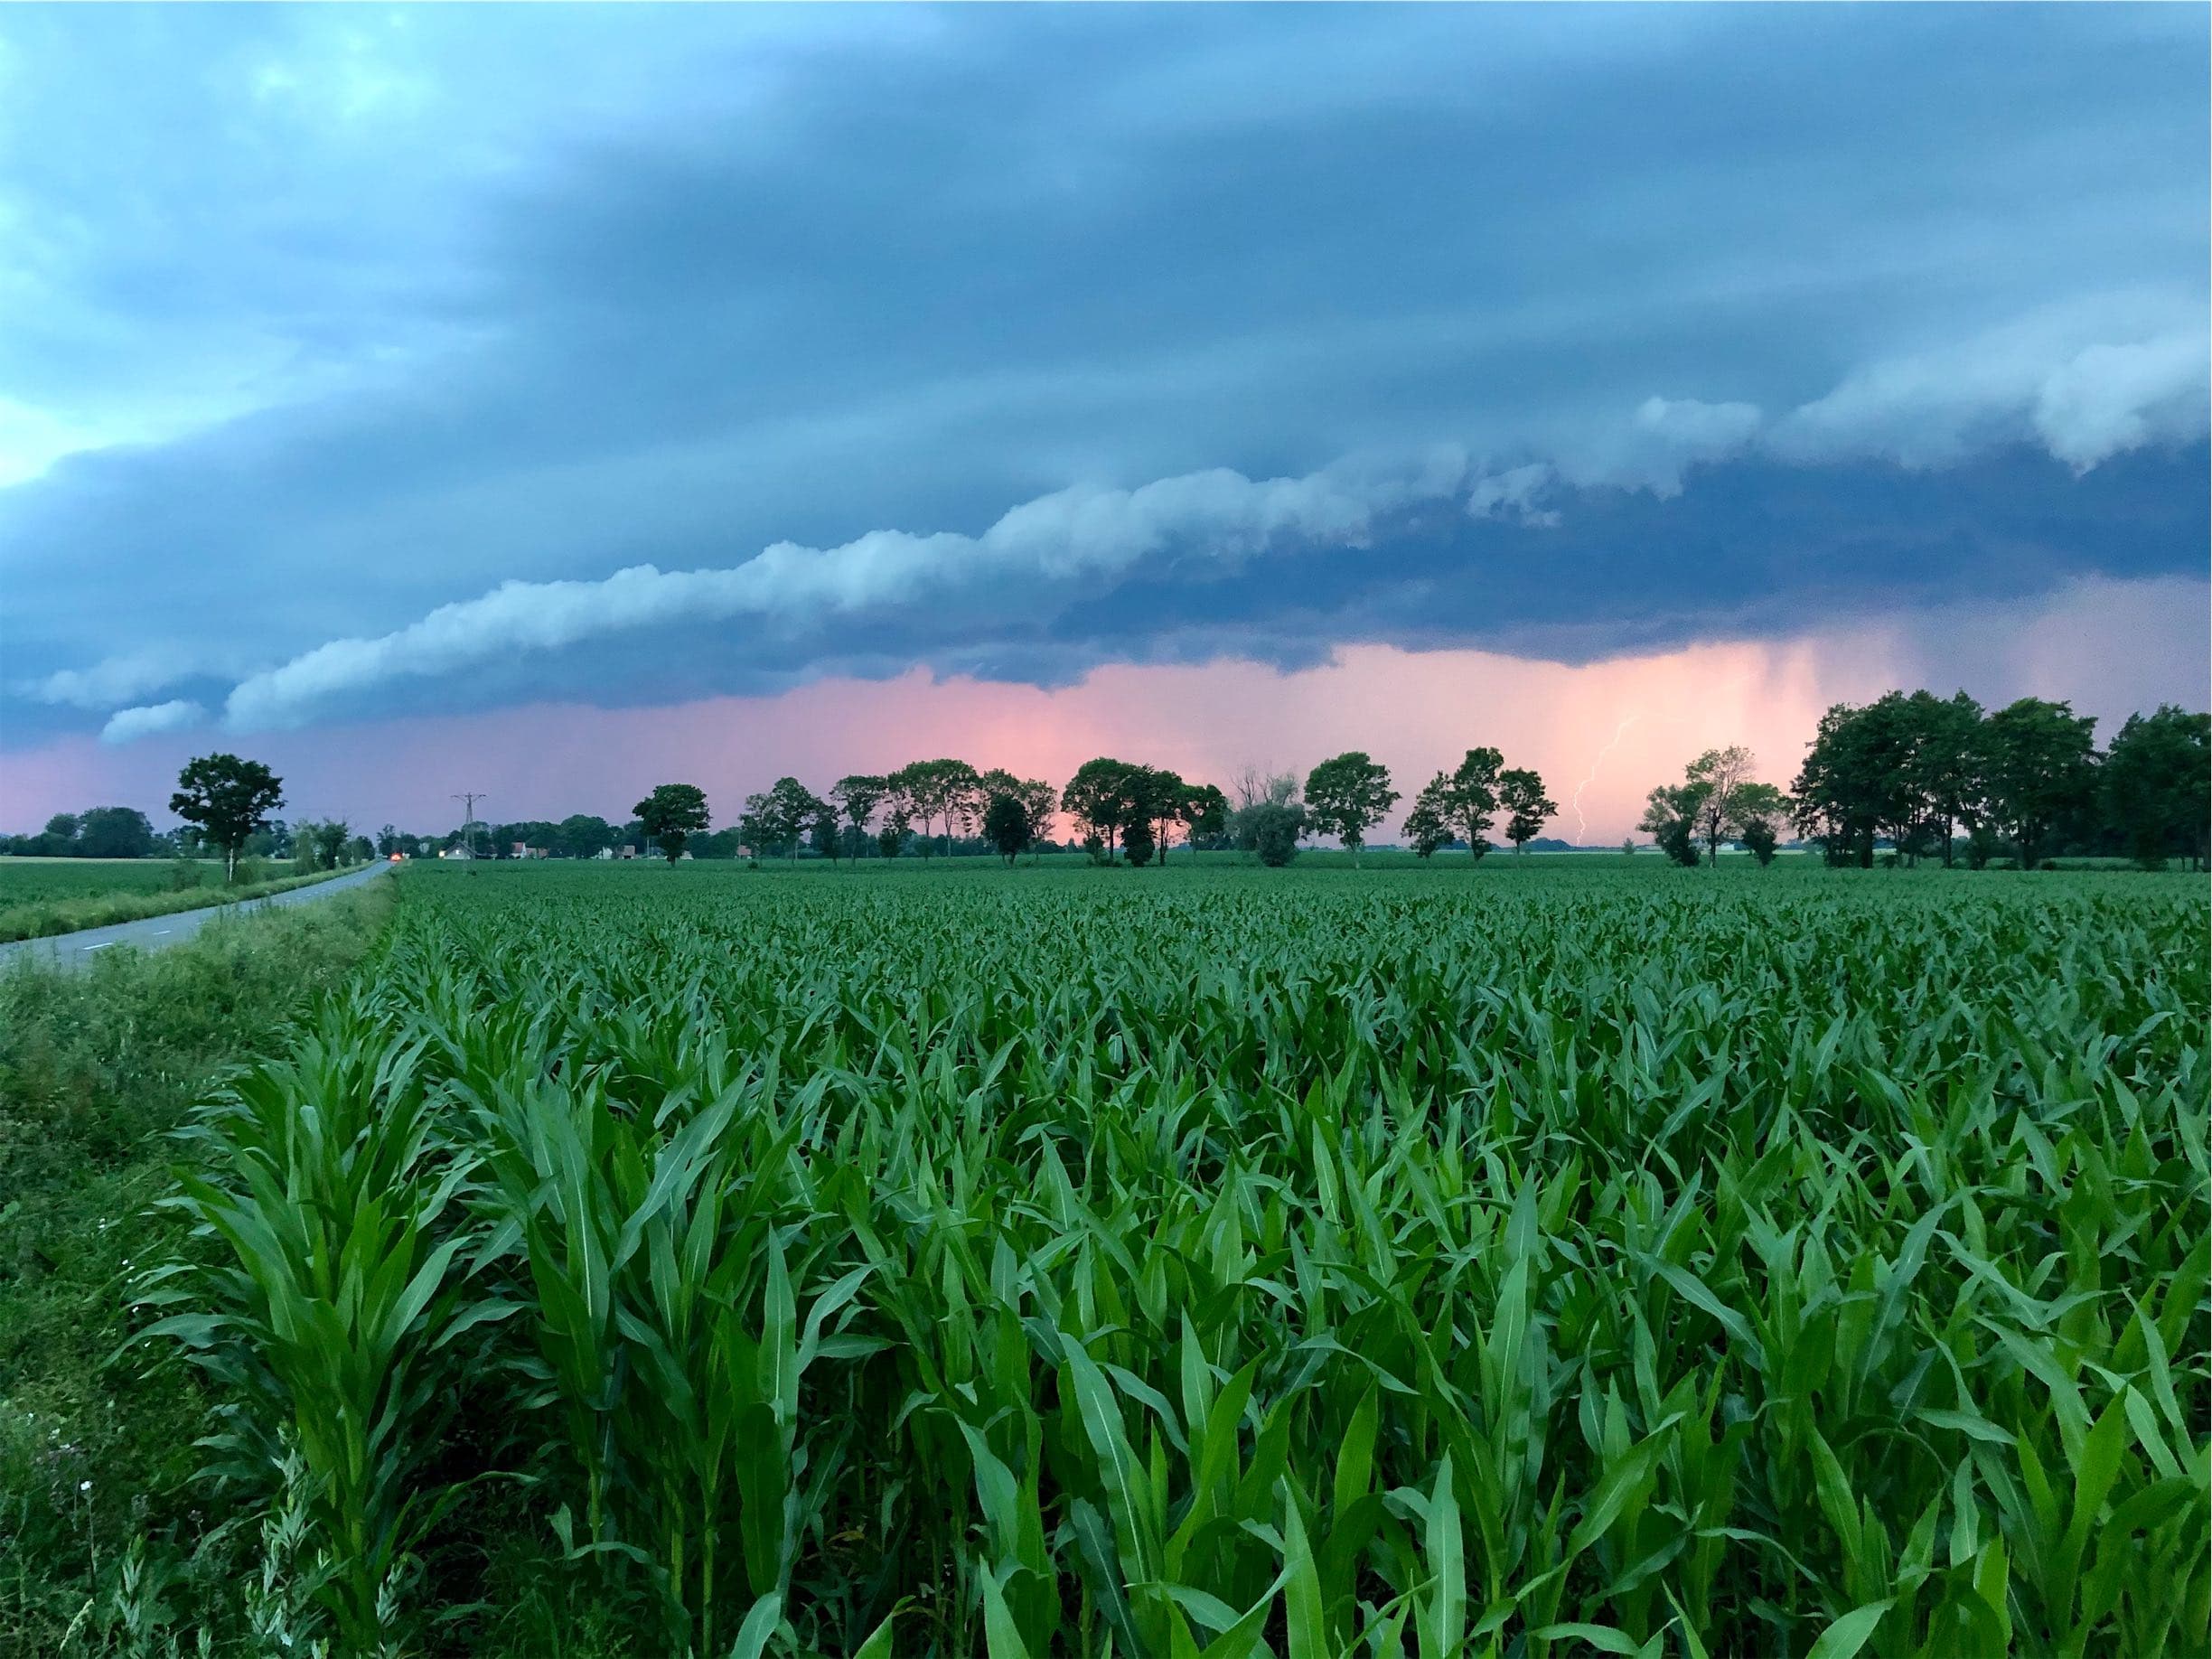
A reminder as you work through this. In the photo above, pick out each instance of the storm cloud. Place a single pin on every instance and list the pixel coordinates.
(375, 363)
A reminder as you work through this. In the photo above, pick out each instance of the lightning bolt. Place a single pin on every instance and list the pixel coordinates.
(1619, 732)
(1581, 823)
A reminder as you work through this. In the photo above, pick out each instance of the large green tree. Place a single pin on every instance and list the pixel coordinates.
(1206, 814)
(670, 814)
(229, 799)
(1103, 797)
(1006, 824)
(1038, 801)
(2041, 766)
(1911, 768)
(1946, 770)
(796, 810)
(2156, 785)
(1346, 796)
(1465, 799)
(780, 818)
(940, 792)
(583, 835)
(115, 832)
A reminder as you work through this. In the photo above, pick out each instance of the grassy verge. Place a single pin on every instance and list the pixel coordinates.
(96, 1449)
(49, 917)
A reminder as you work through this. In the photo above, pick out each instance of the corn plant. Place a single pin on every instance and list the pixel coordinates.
(1581, 1262)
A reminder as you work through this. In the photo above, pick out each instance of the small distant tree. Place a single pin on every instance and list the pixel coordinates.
(582, 835)
(1041, 802)
(1005, 825)
(856, 797)
(114, 832)
(329, 842)
(672, 814)
(229, 799)
(796, 810)
(1426, 827)
(1256, 789)
(1160, 797)
(1720, 774)
(1275, 831)
(1717, 799)
(1628, 846)
(756, 831)
(940, 792)
(1206, 814)
(1348, 795)
(303, 859)
(1521, 792)
(1136, 842)
(891, 839)
(1759, 807)
(823, 834)
(1256, 786)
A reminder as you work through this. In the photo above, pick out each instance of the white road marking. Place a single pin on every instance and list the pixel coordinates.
(162, 933)
(90, 949)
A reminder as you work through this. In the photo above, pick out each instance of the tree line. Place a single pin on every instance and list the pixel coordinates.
(2022, 782)
(226, 805)
(1910, 771)
(1123, 812)
(1941, 777)
(97, 832)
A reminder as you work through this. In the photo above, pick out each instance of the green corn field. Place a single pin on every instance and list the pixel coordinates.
(1589, 1259)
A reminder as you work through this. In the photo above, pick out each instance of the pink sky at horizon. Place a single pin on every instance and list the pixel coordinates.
(1623, 724)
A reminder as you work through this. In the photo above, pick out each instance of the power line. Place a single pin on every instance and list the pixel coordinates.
(469, 798)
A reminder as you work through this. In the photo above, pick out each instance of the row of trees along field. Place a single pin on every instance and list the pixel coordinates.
(1913, 770)
(1910, 770)
(124, 832)
(1123, 810)
(2026, 780)
(227, 806)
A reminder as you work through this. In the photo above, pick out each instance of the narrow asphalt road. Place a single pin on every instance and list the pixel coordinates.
(159, 932)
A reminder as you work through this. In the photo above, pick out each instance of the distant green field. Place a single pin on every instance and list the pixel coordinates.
(34, 881)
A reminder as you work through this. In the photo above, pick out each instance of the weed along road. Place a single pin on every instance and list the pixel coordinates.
(158, 932)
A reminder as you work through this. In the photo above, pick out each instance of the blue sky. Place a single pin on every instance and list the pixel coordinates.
(357, 364)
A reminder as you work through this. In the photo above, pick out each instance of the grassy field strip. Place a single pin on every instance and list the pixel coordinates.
(49, 918)
(110, 1547)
